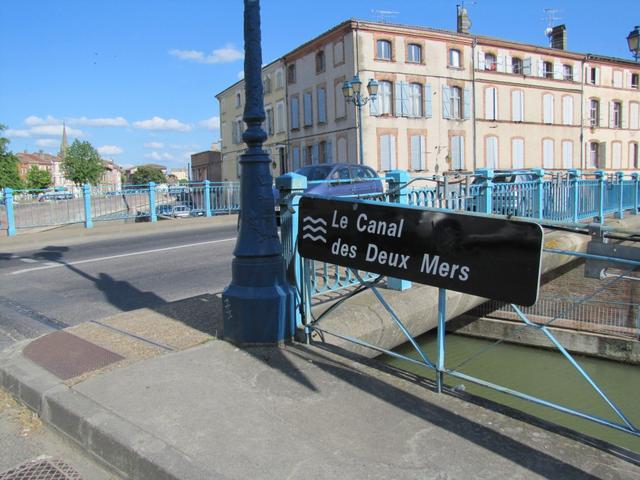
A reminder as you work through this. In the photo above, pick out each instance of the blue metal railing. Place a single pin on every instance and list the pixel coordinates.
(89, 204)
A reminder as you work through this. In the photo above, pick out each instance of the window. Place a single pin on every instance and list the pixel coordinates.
(616, 115)
(517, 153)
(567, 154)
(238, 99)
(383, 50)
(414, 53)
(418, 152)
(457, 152)
(279, 79)
(266, 85)
(340, 102)
(268, 123)
(295, 113)
(491, 103)
(322, 152)
(321, 97)
(633, 155)
(415, 100)
(295, 158)
(387, 152)
(547, 153)
(516, 65)
(291, 73)
(634, 115)
(567, 72)
(384, 98)
(617, 78)
(490, 61)
(616, 155)
(592, 75)
(342, 150)
(237, 131)
(517, 106)
(491, 151)
(592, 159)
(307, 107)
(547, 102)
(594, 113)
(280, 117)
(320, 61)
(338, 53)
(456, 102)
(635, 80)
(547, 69)
(567, 110)
(454, 58)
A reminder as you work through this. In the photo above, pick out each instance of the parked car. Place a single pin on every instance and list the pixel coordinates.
(508, 198)
(164, 210)
(197, 212)
(59, 195)
(180, 211)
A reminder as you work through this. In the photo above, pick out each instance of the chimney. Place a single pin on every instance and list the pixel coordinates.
(559, 37)
(215, 147)
(464, 24)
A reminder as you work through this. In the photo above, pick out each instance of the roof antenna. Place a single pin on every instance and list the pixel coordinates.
(383, 16)
(551, 18)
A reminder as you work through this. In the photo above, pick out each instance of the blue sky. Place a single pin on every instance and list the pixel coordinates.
(138, 79)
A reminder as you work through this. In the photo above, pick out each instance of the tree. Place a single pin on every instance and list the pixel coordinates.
(146, 174)
(82, 163)
(9, 174)
(38, 179)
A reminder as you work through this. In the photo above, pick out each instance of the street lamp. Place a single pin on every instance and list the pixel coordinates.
(351, 91)
(633, 39)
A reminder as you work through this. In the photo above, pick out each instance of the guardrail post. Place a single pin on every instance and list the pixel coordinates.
(620, 179)
(486, 198)
(574, 178)
(11, 219)
(291, 185)
(539, 197)
(634, 177)
(207, 198)
(153, 215)
(397, 180)
(86, 195)
(600, 176)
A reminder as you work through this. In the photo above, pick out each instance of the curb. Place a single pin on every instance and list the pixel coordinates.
(120, 445)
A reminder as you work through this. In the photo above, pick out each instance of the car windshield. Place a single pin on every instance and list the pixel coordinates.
(315, 172)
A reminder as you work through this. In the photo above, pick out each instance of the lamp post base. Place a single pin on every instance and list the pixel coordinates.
(258, 304)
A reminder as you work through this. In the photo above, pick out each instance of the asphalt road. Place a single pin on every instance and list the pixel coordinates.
(57, 286)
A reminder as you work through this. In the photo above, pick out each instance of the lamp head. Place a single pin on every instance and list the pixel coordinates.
(347, 90)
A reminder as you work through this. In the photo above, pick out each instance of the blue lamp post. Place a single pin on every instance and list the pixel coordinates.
(352, 93)
(258, 304)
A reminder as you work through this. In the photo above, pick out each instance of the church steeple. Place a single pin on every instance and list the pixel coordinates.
(63, 144)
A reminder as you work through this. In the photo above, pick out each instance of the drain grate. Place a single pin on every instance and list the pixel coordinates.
(41, 470)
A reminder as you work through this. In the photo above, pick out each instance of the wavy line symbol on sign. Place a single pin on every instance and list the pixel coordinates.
(314, 225)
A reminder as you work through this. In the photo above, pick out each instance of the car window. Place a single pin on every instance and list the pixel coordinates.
(359, 173)
(370, 173)
(341, 174)
(315, 173)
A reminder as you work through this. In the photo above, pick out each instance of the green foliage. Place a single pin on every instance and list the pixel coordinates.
(38, 179)
(82, 163)
(183, 181)
(9, 174)
(147, 173)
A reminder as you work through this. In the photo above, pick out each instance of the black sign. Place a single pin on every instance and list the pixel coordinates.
(487, 257)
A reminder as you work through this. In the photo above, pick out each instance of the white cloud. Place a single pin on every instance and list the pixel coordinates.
(157, 123)
(33, 121)
(54, 130)
(47, 142)
(16, 133)
(228, 53)
(157, 156)
(212, 123)
(240, 74)
(100, 122)
(109, 150)
(154, 145)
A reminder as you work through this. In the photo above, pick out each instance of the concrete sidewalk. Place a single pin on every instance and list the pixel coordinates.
(181, 404)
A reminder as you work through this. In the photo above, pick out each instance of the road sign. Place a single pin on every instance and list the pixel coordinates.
(487, 257)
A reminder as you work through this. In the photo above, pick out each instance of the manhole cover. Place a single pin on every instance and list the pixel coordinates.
(67, 356)
(41, 470)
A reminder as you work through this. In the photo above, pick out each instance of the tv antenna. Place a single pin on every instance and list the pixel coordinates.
(551, 17)
(383, 16)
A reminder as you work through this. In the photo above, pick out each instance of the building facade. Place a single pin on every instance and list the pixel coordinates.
(450, 101)
(231, 102)
(207, 165)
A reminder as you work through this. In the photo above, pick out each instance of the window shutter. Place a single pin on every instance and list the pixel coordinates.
(415, 152)
(404, 100)
(567, 154)
(392, 152)
(295, 113)
(540, 68)
(322, 106)
(500, 67)
(296, 158)
(597, 75)
(634, 115)
(526, 66)
(423, 152)
(384, 152)
(480, 59)
(427, 100)
(611, 115)
(576, 71)
(557, 70)
(623, 118)
(602, 155)
(517, 147)
(507, 64)
(314, 154)
(329, 151)
(374, 108)
(304, 156)
(567, 110)
(466, 110)
(489, 105)
(446, 102)
(628, 79)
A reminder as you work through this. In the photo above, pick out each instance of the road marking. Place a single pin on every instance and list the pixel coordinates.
(122, 255)
(28, 260)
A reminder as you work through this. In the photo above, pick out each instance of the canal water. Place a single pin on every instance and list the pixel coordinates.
(542, 373)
